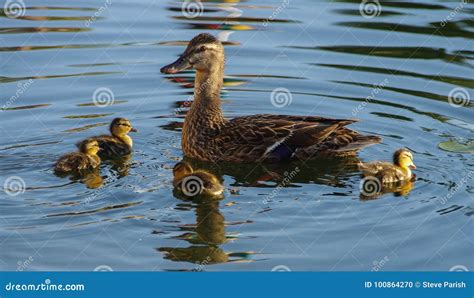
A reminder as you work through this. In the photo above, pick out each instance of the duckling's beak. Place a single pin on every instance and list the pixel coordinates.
(179, 65)
(412, 166)
(133, 129)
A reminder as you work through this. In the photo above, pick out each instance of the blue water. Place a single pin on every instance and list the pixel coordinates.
(329, 55)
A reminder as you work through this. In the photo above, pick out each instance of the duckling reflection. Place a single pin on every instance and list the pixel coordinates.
(382, 177)
(209, 231)
(93, 179)
(205, 236)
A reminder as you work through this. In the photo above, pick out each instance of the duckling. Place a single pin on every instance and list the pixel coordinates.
(85, 159)
(192, 182)
(118, 143)
(387, 172)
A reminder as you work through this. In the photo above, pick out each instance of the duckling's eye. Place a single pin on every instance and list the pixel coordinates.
(202, 49)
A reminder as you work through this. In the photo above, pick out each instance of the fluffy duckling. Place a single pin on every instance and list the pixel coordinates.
(387, 172)
(118, 143)
(85, 159)
(193, 183)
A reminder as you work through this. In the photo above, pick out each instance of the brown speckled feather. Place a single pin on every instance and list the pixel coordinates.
(112, 146)
(254, 138)
(384, 171)
(76, 161)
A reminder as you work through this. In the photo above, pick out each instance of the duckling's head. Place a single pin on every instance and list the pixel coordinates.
(182, 169)
(89, 147)
(204, 53)
(121, 127)
(404, 159)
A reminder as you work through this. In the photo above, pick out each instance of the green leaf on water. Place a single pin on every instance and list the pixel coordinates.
(454, 146)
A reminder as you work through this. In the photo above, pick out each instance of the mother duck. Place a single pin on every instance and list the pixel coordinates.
(208, 136)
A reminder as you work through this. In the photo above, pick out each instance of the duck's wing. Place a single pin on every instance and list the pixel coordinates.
(111, 146)
(279, 137)
(375, 167)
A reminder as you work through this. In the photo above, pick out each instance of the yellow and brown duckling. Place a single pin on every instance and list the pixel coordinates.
(118, 143)
(386, 172)
(83, 160)
(192, 183)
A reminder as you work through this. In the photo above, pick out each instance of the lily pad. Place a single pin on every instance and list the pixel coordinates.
(455, 146)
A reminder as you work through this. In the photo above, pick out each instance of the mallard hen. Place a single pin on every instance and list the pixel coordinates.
(208, 136)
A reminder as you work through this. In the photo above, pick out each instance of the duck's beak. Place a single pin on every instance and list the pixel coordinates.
(179, 65)
(412, 166)
(133, 129)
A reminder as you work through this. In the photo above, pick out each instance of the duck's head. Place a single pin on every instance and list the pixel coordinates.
(182, 169)
(89, 147)
(121, 126)
(404, 159)
(204, 53)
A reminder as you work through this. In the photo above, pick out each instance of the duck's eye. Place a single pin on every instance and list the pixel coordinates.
(202, 49)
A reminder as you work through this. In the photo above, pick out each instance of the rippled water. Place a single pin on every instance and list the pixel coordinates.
(393, 69)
